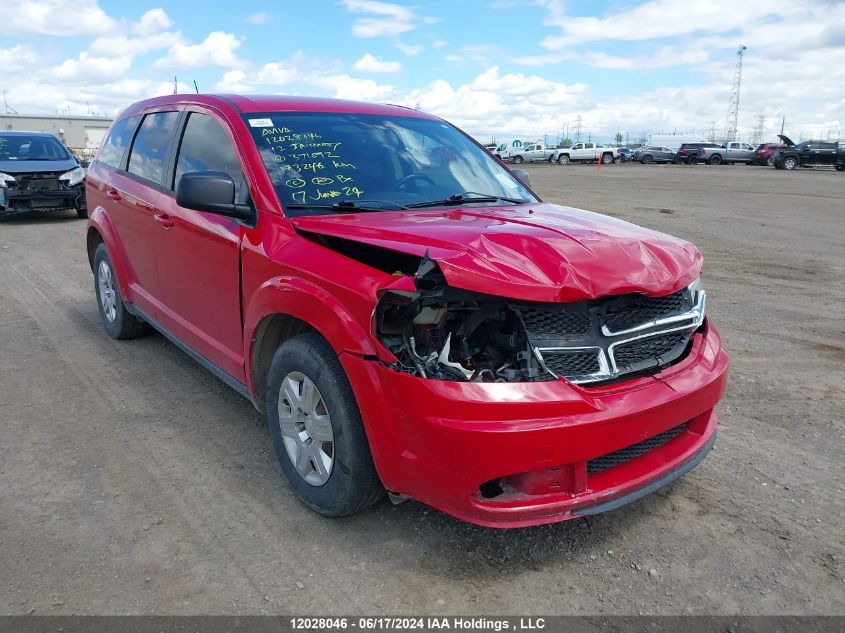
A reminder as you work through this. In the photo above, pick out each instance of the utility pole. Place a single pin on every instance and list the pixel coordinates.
(733, 105)
(578, 128)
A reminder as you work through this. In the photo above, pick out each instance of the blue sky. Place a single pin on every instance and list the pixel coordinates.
(501, 68)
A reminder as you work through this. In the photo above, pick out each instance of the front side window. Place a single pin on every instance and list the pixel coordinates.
(207, 147)
(31, 147)
(149, 149)
(320, 159)
(111, 151)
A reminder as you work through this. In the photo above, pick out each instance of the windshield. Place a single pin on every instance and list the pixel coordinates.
(321, 160)
(31, 147)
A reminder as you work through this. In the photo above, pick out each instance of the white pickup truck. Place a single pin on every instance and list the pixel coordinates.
(587, 152)
(533, 153)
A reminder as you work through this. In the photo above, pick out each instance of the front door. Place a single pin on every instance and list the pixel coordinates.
(199, 252)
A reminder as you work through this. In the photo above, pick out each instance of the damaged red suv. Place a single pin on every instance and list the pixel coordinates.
(410, 316)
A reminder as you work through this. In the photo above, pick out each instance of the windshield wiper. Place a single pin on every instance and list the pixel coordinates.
(466, 197)
(351, 206)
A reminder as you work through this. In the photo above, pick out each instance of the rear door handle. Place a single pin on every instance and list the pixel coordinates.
(165, 220)
(113, 194)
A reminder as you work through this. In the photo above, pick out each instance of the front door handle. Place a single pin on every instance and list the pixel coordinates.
(165, 220)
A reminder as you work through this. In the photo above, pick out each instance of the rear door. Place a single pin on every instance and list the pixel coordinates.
(134, 194)
(199, 252)
(825, 153)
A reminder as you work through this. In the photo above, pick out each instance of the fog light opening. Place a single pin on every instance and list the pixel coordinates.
(490, 489)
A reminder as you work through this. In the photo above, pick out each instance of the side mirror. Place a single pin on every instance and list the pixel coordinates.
(522, 175)
(210, 191)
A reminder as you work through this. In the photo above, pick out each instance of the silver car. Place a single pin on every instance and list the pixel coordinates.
(654, 155)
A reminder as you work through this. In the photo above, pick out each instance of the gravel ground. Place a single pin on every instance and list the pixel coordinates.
(132, 481)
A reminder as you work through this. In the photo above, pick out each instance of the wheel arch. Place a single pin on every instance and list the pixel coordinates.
(286, 307)
(101, 231)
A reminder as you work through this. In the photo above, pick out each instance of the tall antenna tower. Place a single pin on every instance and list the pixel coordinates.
(733, 104)
(757, 135)
(578, 128)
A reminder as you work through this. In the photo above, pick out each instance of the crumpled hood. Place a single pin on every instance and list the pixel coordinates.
(540, 252)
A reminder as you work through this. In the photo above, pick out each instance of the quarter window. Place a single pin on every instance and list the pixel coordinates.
(115, 144)
(207, 147)
(150, 147)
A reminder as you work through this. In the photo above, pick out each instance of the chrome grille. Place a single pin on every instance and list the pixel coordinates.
(642, 309)
(644, 349)
(601, 340)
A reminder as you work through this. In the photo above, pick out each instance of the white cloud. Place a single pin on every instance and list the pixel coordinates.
(121, 45)
(660, 18)
(371, 64)
(384, 18)
(55, 17)
(152, 21)
(479, 53)
(411, 50)
(17, 58)
(262, 17)
(90, 68)
(218, 49)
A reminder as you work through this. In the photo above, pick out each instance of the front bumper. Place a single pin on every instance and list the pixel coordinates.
(443, 443)
(14, 201)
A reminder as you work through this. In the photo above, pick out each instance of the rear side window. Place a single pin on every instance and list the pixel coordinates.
(207, 147)
(111, 151)
(150, 147)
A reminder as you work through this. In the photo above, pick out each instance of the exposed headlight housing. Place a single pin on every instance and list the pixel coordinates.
(73, 177)
(4, 178)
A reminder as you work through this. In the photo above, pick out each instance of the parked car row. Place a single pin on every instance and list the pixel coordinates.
(783, 155)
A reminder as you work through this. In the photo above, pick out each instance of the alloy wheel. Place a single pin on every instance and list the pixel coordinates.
(105, 283)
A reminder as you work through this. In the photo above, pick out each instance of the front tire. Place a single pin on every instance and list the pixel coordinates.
(606, 159)
(317, 431)
(789, 162)
(82, 214)
(117, 320)
(645, 160)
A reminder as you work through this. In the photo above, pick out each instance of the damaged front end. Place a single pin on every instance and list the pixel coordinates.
(445, 333)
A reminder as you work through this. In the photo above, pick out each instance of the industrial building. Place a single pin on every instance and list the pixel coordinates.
(82, 134)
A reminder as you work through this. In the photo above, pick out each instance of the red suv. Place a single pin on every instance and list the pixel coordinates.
(410, 316)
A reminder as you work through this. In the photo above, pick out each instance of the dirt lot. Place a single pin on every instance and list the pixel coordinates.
(132, 481)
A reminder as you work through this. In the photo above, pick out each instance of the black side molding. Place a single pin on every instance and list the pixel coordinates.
(220, 373)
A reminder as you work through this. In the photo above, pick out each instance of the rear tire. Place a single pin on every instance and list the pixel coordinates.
(117, 320)
(563, 159)
(308, 429)
(715, 159)
(517, 160)
(840, 168)
(770, 161)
